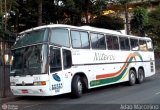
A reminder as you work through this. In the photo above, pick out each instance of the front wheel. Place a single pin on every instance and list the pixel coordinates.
(77, 87)
(132, 77)
(140, 78)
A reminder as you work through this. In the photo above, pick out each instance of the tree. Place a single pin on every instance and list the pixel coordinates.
(72, 10)
(39, 12)
(152, 28)
(108, 22)
(139, 20)
(125, 3)
(98, 7)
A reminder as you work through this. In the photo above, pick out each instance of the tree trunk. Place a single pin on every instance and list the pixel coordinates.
(126, 16)
(86, 14)
(87, 10)
(40, 13)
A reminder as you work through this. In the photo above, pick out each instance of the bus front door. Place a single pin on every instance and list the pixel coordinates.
(55, 68)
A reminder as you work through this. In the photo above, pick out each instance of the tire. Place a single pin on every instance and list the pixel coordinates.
(140, 78)
(132, 77)
(77, 87)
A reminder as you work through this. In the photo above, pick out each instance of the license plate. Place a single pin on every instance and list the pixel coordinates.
(24, 91)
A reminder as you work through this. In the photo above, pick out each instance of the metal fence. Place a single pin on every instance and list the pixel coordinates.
(4, 81)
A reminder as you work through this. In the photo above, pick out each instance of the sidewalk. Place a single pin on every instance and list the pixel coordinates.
(9, 97)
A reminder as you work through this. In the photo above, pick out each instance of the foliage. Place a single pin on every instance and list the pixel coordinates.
(108, 22)
(98, 6)
(153, 27)
(139, 20)
(124, 1)
(7, 34)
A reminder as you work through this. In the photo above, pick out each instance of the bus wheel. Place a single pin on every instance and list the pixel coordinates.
(140, 78)
(132, 77)
(77, 87)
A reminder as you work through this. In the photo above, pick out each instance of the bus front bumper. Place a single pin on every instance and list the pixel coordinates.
(30, 90)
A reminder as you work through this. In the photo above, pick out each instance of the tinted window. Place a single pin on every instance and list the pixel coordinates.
(142, 45)
(55, 60)
(149, 46)
(80, 39)
(31, 37)
(60, 37)
(76, 39)
(124, 43)
(112, 42)
(134, 44)
(98, 41)
(67, 60)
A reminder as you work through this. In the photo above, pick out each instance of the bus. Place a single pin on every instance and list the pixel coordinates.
(57, 59)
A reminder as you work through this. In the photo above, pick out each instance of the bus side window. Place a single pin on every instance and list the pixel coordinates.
(112, 42)
(142, 45)
(67, 59)
(98, 41)
(55, 60)
(134, 44)
(149, 46)
(80, 40)
(57, 35)
(124, 43)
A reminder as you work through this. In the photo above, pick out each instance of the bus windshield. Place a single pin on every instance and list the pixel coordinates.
(29, 60)
(37, 36)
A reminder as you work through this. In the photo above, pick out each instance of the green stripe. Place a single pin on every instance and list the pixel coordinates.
(137, 54)
(114, 79)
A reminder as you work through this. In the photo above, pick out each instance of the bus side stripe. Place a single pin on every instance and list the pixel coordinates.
(119, 71)
(121, 75)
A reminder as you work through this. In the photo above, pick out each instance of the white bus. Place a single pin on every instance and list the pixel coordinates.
(56, 59)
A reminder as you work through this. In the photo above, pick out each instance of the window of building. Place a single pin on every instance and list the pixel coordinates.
(98, 41)
(80, 39)
(134, 44)
(124, 43)
(112, 42)
(60, 37)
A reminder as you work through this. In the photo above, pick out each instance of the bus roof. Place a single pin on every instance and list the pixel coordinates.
(87, 28)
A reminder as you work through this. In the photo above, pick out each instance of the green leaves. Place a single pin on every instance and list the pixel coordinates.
(153, 27)
(139, 20)
(108, 22)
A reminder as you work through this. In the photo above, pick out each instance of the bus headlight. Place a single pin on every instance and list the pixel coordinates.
(39, 83)
(12, 83)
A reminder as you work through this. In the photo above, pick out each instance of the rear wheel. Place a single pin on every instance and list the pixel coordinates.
(140, 78)
(132, 77)
(77, 87)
